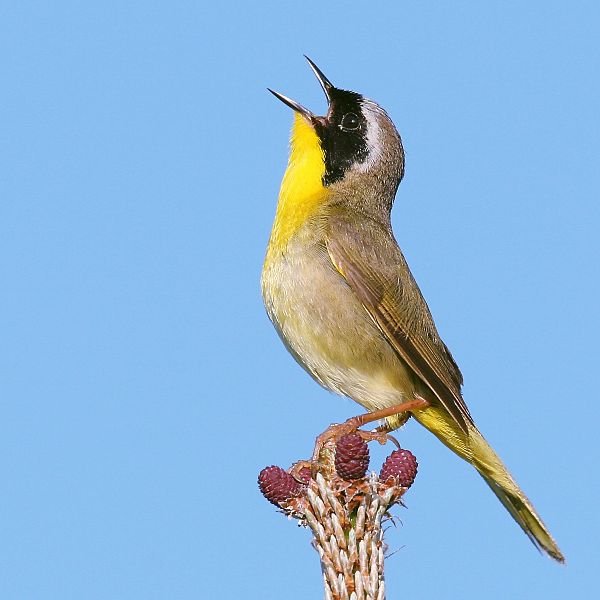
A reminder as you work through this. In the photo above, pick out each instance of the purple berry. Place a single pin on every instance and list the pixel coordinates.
(277, 485)
(351, 456)
(402, 466)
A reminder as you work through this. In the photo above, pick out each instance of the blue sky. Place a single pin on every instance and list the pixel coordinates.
(142, 387)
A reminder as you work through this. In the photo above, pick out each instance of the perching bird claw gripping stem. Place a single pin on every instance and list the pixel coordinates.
(337, 430)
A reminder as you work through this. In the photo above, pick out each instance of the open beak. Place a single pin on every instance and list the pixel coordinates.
(325, 84)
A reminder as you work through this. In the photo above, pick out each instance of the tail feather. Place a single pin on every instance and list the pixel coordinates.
(473, 447)
(521, 510)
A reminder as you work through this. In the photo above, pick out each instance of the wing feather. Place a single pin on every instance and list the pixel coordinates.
(394, 302)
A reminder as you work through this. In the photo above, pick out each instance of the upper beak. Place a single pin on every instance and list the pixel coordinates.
(325, 84)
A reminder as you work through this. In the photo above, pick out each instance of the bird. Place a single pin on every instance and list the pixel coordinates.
(340, 294)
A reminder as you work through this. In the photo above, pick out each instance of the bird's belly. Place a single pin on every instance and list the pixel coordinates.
(329, 332)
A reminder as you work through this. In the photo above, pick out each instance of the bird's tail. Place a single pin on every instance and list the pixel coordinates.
(473, 447)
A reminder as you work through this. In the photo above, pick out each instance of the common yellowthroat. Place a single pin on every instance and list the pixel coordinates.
(343, 300)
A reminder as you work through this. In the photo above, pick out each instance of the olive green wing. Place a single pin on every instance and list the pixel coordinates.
(392, 298)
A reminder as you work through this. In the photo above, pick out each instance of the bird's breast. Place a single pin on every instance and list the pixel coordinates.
(327, 329)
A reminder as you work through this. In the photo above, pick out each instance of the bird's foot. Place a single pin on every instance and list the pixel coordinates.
(337, 430)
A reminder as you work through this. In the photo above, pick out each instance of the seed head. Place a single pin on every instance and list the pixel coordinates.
(351, 456)
(402, 466)
(277, 485)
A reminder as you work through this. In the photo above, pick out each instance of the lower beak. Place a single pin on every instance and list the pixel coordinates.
(294, 105)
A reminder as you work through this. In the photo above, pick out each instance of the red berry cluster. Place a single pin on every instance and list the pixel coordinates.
(351, 464)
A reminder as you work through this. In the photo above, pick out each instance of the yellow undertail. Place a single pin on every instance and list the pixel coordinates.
(473, 447)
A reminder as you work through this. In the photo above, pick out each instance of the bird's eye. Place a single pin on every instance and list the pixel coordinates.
(349, 122)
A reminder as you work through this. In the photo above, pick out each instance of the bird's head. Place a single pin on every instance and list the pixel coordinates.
(356, 140)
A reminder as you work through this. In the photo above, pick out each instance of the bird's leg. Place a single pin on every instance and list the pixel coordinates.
(337, 430)
(376, 415)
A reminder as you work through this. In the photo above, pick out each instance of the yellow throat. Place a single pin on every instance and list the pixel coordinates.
(302, 190)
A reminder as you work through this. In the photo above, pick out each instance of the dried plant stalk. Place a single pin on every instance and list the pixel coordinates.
(345, 518)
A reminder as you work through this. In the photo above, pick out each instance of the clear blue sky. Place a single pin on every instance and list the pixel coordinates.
(142, 387)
